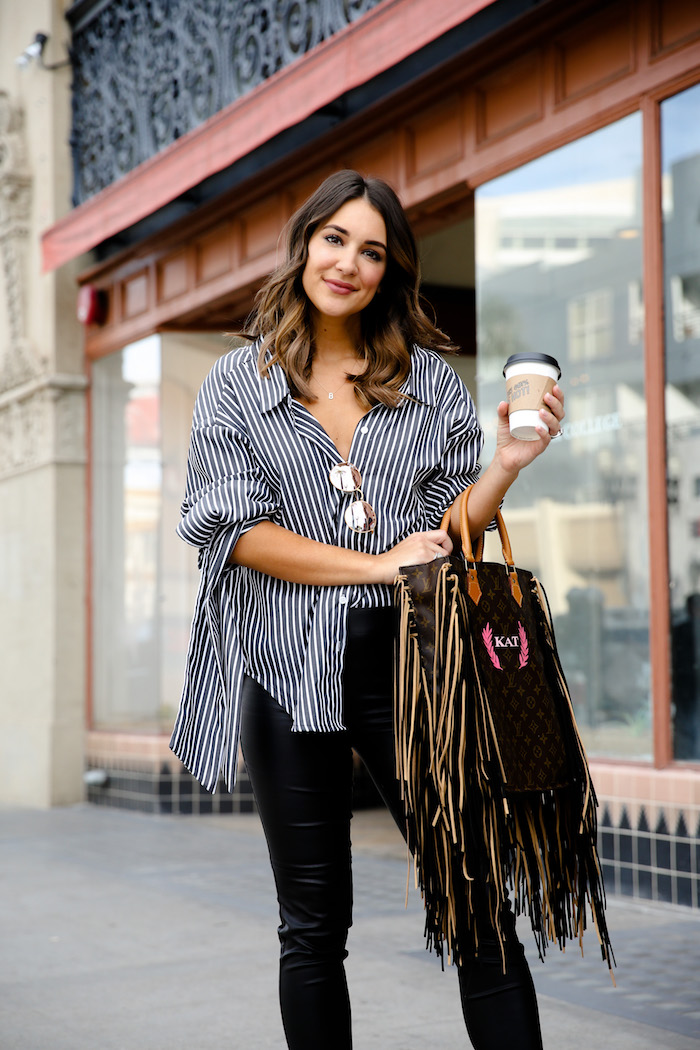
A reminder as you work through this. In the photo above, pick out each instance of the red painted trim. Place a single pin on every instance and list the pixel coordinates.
(378, 41)
(655, 364)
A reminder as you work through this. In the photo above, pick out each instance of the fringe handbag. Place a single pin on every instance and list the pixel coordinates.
(493, 773)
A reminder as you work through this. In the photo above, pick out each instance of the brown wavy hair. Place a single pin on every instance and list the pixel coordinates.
(391, 324)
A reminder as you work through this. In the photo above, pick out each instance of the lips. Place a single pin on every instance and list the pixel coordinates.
(339, 286)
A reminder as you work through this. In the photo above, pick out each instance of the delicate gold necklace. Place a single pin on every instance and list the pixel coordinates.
(331, 393)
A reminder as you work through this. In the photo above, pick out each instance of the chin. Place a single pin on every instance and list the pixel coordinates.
(337, 310)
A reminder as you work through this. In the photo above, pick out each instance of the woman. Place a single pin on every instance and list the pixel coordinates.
(322, 459)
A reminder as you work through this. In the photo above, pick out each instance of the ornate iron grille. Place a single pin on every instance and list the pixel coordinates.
(147, 71)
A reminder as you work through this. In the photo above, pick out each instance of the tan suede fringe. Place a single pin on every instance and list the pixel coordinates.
(466, 829)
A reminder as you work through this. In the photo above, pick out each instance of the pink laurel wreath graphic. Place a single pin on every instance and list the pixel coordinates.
(524, 647)
(487, 635)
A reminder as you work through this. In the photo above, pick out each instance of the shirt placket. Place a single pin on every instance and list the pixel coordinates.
(360, 457)
(329, 625)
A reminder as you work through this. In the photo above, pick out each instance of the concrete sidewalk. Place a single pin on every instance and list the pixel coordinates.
(120, 931)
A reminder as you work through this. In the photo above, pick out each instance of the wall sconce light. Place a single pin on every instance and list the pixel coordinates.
(35, 52)
(91, 307)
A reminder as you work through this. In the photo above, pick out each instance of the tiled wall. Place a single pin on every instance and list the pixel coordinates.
(649, 821)
(167, 790)
(141, 774)
(657, 861)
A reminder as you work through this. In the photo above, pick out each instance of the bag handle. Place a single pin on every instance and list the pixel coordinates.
(471, 559)
(445, 524)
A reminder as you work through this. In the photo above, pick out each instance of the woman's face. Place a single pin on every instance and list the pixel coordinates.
(346, 261)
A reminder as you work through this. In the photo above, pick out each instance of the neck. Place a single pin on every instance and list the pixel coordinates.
(336, 341)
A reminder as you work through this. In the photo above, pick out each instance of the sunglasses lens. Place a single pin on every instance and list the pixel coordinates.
(346, 478)
(360, 517)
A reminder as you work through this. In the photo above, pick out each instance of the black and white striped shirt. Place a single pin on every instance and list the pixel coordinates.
(258, 454)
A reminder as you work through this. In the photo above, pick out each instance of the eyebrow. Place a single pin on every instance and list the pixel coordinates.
(332, 226)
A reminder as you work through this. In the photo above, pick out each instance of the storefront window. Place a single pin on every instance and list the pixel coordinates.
(680, 141)
(144, 577)
(559, 270)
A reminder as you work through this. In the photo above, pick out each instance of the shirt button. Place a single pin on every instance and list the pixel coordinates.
(364, 430)
(343, 599)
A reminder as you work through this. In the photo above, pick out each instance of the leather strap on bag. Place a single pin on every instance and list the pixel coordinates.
(471, 559)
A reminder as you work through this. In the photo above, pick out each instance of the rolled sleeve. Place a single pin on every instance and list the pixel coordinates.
(226, 492)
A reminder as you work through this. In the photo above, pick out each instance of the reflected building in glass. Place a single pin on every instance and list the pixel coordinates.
(559, 271)
(681, 172)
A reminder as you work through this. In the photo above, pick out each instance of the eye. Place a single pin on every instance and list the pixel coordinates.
(332, 238)
(371, 254)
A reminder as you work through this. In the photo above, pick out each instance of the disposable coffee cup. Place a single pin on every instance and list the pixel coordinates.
(528, 378)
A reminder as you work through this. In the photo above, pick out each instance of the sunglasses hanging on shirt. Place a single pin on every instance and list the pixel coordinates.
(359, 516)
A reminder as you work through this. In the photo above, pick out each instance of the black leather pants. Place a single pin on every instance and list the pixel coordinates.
(303, 788)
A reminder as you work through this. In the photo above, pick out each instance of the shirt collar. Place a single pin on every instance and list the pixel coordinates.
(274, 387)
(419, 383)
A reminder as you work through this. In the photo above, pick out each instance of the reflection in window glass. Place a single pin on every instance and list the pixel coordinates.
(144, 577)
(680, 143)
(590, 325)
(559, 270)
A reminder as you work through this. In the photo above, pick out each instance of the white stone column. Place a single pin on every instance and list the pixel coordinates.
(42, 437)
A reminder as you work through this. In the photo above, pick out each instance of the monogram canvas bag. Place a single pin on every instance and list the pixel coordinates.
(494, 776)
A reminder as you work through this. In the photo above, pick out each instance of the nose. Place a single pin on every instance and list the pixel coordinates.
(346, 263)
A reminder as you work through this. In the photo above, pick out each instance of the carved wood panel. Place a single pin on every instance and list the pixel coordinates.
(435, 137)
(172, 275)
(510, 98)
(214, 254)
(599, 50)
(673, 25)
(261, 226)
(135, 295)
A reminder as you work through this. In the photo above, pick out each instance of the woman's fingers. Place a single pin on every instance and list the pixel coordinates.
(551, 417)
(554, 413)
(417, 549)
(426, 545)
(441, 538)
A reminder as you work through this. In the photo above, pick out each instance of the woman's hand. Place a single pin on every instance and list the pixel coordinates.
(416, 549)
(510, 457)
(515, 454)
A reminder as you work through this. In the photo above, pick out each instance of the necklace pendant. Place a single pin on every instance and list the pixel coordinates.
(330, 397)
